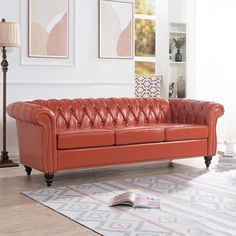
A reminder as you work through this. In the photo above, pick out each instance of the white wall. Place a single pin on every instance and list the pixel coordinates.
(177, 11)
(92, 77)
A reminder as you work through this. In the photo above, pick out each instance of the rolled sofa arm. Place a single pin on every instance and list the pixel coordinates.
(36, 130)
(198, 112)
(29, 112)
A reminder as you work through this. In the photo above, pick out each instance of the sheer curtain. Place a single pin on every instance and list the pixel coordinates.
(215, 58)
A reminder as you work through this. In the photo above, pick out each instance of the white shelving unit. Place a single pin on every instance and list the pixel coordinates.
(171, 22)
(177, 70)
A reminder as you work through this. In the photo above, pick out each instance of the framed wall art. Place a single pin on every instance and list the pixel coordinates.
(48, 28)
(115, 29)
(48, 32)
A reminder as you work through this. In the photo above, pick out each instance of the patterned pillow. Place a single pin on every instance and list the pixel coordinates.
(147, 86)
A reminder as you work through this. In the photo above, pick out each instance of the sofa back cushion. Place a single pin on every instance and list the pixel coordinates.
(108, 112)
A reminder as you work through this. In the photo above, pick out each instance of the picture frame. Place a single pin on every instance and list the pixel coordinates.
(115, 29)
(48, 28)
(65, 57)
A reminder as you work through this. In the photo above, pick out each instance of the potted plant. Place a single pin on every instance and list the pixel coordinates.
(179, 43)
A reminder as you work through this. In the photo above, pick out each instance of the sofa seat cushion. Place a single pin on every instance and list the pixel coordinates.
(84, 138)
(139, 134)
(176, 132)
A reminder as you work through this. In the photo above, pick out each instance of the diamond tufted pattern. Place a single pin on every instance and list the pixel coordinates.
(189, 111)
(107, 112)
(107, 131)
(194, 112)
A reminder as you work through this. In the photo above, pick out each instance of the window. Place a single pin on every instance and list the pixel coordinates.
(145, 37)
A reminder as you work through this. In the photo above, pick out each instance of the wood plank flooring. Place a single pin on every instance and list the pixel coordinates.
(20, 215)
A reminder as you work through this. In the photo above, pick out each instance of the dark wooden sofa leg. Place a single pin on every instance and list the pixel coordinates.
(28, 170)
(49, 178)
(171, 164)
(208, 160)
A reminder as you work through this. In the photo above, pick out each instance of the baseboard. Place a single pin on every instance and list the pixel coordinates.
(14, 157)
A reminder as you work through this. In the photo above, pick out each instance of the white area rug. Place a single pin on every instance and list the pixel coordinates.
(193, 203)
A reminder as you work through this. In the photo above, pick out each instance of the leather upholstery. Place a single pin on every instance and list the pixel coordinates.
(33, 115)
(123, 154)
(44, 126)
(175, 132)
(141, 134)
(107, 112)
(82, 138)
(198, 112)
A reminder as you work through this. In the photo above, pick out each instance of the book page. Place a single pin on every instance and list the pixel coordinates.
(135, 200)
(124, 198)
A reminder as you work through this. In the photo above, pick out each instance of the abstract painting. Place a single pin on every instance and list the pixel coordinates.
(115, 29)
(48, 28)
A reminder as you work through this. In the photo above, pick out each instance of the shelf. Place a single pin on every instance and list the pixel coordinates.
(177, 27)
(183, 24)
(177, 32)
(177, 62)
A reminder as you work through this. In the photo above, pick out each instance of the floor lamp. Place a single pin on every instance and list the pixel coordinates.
(9, 37)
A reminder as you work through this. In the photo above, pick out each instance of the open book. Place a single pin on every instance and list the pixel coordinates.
(135, 200)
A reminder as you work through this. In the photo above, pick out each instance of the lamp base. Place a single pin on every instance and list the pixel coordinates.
(5, 161)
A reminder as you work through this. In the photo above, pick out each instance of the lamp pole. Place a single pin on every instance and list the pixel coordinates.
(5, 161)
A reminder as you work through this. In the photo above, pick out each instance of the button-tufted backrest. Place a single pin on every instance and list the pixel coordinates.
(108, 112)
(190, 111)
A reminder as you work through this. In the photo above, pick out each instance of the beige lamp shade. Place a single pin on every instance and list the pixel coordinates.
(9, 34)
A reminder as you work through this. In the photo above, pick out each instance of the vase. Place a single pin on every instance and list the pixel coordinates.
(181, 87)
(170, 54)
(178, 56)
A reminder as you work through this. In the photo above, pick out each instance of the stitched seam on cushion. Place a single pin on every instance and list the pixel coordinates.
(82, 132)
(140, 130)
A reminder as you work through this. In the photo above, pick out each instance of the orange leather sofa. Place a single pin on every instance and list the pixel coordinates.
(57, 135)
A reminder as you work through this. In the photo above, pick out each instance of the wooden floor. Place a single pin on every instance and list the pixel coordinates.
(20, 215)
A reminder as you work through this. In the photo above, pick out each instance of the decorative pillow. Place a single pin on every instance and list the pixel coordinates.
(147, 86)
